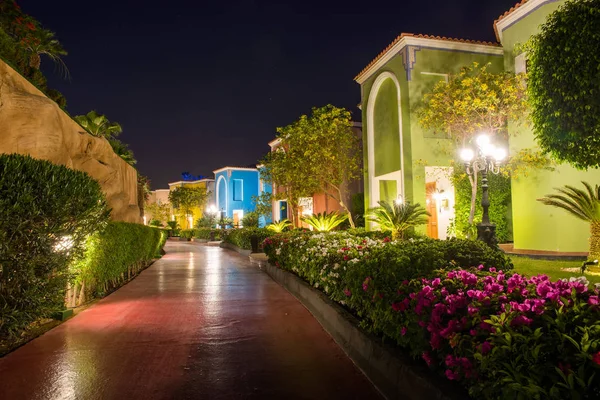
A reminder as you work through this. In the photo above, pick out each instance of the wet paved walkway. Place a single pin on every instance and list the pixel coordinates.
(201, 323)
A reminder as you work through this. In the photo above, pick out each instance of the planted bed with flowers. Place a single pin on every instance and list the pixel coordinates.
(457, 305)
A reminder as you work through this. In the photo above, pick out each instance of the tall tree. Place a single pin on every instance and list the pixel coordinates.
(321, 154)
(184, 199)
(564, 84)
(159, 211)
(471, 102)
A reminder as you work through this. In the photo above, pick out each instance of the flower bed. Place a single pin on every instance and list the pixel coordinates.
(499, 334)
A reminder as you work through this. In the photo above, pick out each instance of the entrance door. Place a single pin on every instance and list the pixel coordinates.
(432, 222)
(283, 208)
(238, 215)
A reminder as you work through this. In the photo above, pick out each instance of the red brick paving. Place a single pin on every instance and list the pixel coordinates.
(201, 323)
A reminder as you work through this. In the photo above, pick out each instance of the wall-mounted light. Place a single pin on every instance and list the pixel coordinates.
(399, 200)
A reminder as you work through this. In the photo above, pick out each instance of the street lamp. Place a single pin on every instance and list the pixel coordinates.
(485, 158)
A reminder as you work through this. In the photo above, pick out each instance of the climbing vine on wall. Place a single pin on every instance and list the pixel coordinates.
(499, 210)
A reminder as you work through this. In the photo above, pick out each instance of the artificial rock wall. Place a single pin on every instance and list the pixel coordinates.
(32, 124)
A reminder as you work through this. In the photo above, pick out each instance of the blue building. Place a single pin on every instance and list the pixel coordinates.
(235, 188)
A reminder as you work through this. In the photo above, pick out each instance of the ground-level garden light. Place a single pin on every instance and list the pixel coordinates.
(485, 158)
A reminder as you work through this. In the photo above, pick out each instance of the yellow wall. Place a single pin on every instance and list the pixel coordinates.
(197, 211)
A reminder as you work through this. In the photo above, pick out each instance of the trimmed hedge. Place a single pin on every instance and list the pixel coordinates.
(46, 213)
(204, 233)
(240, 237)
(113, 257)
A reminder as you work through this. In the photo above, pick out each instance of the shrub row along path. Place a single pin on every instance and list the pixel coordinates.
(200, 323)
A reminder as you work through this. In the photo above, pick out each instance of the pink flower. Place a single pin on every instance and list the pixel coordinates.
(473, 332)
(365, 284)
(485, 347)
(436, 282)
(593, 301)
(480, 267)
(386, 240)
(398, 307)
(451, 375)
(596, 358)
(347, 292)
(427, 357)
(403, 331)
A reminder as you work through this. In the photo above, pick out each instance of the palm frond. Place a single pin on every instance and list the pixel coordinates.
(398, 217)
(583, 204)
(325, 222)
(279, 226)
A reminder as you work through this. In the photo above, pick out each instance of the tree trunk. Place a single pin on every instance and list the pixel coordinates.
(35, 60)
(73, 299)
(594, 241)
(341, 201)
(81, 294)
(473, 181)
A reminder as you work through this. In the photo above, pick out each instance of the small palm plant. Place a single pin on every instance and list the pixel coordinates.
(398, 217)
(280, 226)
(583, 204)
(325, 222)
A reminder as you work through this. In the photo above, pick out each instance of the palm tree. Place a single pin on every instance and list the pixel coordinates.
(325, 222)
(42, 41)
(398, 218)
(583, 204)
(98, 125)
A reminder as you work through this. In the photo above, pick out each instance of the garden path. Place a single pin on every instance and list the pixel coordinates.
(200, 323)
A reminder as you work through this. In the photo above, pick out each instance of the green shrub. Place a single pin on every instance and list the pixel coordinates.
(251, 220)
(173, 228)
(186, 233)
(46, 213)
(241, 237)
(499, 210)
(114, 256)
(206, 221)
(156, 223)
(205, 233)
(310, 255)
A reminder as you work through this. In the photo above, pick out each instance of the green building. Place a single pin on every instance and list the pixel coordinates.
(535, 226)
(402, 160)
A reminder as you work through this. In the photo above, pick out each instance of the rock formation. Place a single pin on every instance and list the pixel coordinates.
(32, 124)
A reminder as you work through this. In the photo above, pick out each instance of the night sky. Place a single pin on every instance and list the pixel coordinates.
(199, 85)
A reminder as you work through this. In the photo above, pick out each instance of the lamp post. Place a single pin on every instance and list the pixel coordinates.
(485, 158)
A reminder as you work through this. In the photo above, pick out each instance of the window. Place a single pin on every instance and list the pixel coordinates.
(238, 190)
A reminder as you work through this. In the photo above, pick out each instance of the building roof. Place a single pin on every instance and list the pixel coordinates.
(236, 168)
(440, 42)
(515, 13)
(198, 181)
